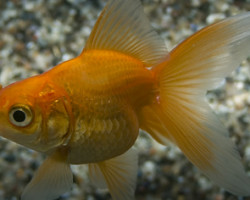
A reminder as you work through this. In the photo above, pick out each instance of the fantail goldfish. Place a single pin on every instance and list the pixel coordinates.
(90, 109)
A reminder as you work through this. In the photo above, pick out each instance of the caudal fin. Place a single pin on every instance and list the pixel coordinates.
(181, 113)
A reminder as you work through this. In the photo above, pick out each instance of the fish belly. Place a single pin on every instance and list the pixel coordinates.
(100, 137)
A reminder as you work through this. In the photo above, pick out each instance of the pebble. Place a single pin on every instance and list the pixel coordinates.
(148, 169)
(215, 17)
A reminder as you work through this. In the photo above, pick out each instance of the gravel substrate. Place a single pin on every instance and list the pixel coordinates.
(37, 35)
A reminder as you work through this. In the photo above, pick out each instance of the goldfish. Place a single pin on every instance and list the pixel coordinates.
(89, 110)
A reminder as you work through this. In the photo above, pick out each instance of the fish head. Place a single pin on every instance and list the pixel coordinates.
(35, 114)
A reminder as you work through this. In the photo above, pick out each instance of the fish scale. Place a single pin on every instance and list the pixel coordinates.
(109, 134)
(104, 76)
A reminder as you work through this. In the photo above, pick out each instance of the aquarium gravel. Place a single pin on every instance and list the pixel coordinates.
(36, 35)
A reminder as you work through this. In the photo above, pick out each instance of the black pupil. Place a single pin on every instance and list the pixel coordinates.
(19, 116)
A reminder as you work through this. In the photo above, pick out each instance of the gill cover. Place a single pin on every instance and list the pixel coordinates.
(55, 111)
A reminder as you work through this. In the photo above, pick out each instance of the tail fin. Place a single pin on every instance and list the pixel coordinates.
(181, 113)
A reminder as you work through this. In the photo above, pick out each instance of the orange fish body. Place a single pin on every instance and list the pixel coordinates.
(106, 91)
(89, 110)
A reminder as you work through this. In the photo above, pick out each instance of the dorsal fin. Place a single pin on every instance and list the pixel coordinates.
(123, 26)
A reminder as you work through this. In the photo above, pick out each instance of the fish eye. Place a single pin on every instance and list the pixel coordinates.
(20, 115)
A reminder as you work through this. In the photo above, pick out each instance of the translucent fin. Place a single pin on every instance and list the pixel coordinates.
(151, 123)
(51, 180)
(201, 137)
(193, 67)
(123, 26)
(118, 173)
(96, 176)
(204, 59)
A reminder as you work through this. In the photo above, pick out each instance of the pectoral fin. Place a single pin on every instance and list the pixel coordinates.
(119, 174)
(51, 180)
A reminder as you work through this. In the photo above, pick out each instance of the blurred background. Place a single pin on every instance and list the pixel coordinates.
(36, 35)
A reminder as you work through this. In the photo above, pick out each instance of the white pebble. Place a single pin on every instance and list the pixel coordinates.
(221, 6)
(239, 85)
(212, 18)
(239, 101)
(149, 170)
(204, 183)
(222, 109)
(195, 3)
(29, 6)
(5, 75)
(66, 57)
